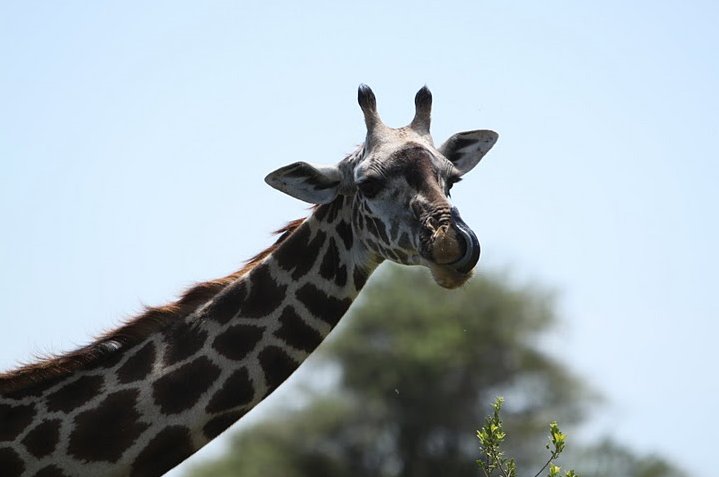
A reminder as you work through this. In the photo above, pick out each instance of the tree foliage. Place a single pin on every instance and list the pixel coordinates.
(419, 367)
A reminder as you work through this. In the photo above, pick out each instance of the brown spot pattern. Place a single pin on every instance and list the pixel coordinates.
(285, 253)
(168, 448)
(330, 261)
(334, 209)
(180, 389)
(297, 254)
(74, 394)
(327, 308)
(238, 341)
(331, 267)
(265, 294)
(344, 230)
(321, 212)
(360, 221)
(360, 277)
(14, 420)
(218, 424)
(341, 276)
(100, 425)
(183, 340)
(277, 366)
(329, 212)
(296, 333)
(380, 229)
(236, 391)
(43, 439)
(10, 463)
(50, 471)
(137, 366)
(226, 305)
(34, 389)
(108, 359)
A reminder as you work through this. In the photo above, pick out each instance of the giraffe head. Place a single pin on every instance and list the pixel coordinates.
(399, 185)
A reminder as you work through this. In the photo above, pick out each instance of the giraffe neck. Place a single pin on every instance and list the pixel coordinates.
(148, 407)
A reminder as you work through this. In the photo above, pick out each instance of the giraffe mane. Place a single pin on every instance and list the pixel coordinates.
(47, 369)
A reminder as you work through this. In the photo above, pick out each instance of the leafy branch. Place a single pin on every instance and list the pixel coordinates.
(492, 435)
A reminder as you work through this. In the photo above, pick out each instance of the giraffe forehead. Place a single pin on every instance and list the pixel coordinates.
(409, 159)
(418, 165)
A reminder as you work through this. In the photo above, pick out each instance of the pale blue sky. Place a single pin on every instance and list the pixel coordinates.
(134, 138)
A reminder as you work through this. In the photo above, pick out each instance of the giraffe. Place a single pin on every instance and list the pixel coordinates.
(147, 395)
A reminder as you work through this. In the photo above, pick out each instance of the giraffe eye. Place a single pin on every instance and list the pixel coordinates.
(370, 186)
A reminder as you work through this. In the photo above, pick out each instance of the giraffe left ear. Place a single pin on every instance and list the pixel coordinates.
(466, 149)
(313, 184)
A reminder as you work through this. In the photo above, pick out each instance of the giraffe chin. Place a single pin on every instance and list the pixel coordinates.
(448, 277)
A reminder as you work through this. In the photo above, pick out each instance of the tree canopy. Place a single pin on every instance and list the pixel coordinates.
(419, 366)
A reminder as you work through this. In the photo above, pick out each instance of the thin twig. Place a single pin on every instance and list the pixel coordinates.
(554, 456)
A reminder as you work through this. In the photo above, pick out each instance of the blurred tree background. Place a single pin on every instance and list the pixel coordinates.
(418, 368)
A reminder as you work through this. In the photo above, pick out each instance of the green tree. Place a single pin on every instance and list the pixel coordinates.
(419, 367)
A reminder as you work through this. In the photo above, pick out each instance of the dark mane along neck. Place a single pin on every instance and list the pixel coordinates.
(34, 377)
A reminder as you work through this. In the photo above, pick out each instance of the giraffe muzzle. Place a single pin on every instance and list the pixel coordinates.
(471, 247)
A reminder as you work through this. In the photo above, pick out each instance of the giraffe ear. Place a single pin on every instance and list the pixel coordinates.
(313, 184)
(467, 148)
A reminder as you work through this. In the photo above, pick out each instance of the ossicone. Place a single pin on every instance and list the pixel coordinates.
(366, 98)
(423, 110)
(368, 103)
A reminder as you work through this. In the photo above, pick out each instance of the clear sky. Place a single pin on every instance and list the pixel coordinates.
(134, 137)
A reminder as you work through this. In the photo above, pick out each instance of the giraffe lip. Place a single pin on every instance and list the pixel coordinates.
(448, 277)
(471, 247)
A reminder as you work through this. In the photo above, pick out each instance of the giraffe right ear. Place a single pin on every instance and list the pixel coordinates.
(313, 184)
(467, 148)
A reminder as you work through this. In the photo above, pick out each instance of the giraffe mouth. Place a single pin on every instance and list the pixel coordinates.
(465, 254)
(469, 244)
